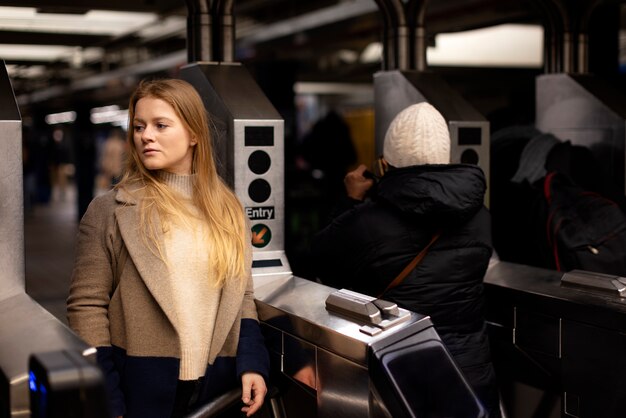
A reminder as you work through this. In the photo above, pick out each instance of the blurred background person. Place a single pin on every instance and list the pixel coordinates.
(112, 158)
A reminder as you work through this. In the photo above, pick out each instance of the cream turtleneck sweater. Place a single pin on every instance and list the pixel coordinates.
(195, 296)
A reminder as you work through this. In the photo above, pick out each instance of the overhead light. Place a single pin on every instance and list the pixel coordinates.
(109, 114)
(94, 22)
(63, 117)
(347, 55)
(14, 52)
(103, 109)
(30, 71)
(508, 45)
(372, 53)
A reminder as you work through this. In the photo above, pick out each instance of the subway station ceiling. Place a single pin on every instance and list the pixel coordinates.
(57, 50)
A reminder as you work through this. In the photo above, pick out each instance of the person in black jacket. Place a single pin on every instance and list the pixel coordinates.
(420, 194)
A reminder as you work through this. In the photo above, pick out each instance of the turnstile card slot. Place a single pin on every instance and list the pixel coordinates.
(355, 305)
(375, 313)
(595, 282)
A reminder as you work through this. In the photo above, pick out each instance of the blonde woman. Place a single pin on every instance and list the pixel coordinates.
(161, 282)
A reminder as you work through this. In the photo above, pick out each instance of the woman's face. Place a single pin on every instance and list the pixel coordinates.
(161, 139)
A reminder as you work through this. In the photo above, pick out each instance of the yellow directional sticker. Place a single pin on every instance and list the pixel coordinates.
(261, 235)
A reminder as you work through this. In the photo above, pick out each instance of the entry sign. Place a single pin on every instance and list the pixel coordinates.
(260, 212)
(261, 235)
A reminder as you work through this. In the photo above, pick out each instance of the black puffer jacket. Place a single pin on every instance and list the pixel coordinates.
(365, 248)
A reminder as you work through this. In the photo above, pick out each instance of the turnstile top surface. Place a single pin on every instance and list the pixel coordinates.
(28, 328)
(543, 287)
(246, 101)
(302, 303)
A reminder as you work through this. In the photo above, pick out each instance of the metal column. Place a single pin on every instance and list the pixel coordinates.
(25, 327)
(11, 192)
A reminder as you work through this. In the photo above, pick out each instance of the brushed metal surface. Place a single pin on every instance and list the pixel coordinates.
(300, 304)
(326, 351)
(11, 192)
(343, 387)
(28, 328)
(243, 176)
(236, 103)
(25, 326)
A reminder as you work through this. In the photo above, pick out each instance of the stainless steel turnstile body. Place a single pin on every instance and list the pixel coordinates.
(561, 334)
(249, 143)
(340, 352)
(11, 191)
(25, 327)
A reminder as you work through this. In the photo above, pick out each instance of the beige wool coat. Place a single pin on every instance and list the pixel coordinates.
(135, 312)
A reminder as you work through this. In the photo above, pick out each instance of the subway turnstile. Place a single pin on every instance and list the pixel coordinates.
(561, 334)
(25, 327)
(11, 191)
(249, 142)
(345, 354)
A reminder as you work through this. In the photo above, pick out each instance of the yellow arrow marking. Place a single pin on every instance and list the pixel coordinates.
(257, 238)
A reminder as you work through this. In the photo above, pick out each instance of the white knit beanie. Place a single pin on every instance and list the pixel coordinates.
(417, 135)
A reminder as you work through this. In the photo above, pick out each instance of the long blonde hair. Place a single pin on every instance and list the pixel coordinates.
(217, 204)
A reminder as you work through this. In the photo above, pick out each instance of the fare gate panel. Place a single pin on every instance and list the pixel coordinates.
(249, 144)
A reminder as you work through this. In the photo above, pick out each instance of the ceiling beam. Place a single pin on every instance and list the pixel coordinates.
(71, 6)
(48, 38)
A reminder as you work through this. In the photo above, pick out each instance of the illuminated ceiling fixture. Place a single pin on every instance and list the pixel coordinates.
(94, 22)
(508, 45)
(372, 53)
(30, 71)
(63, 117)
(109, 114)
(46, 53)
(347, 55)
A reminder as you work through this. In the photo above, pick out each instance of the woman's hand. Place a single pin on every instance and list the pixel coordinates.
(253, 392)
(357, 185)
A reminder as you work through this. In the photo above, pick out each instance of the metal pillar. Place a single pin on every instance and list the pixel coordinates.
(25, 327)
(11, 192)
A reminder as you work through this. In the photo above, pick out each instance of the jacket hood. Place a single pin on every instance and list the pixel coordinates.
(448, 192)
